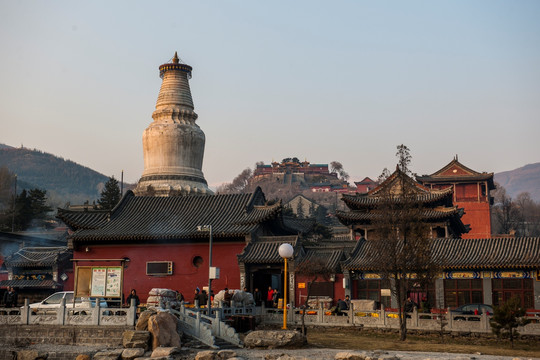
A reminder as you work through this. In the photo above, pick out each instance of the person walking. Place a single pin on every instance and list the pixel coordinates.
(270, 297)
(275, 298)
(10, 297)
(133, 295)
(257, 297)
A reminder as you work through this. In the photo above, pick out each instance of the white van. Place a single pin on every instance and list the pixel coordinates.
(53, 302)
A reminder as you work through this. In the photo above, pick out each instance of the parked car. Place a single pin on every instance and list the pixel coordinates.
(52, 303)
(471, 309)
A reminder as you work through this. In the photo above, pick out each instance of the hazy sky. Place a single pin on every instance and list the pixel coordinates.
(319, 80)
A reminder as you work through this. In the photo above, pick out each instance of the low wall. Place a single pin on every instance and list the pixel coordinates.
(24, 335)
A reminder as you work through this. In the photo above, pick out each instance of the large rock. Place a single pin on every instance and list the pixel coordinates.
(31, 355)
(226, 354)
(130, 354)
(83, 357)
(274, 339)
(165, 351)
(136, 339)
(142, 323)
(163, 326)
(345, 355)
(206, 355)
(108, 354)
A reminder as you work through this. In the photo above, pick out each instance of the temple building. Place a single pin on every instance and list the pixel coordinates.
(471, 191)
(173, 144)
(438, 210)
(481, 270)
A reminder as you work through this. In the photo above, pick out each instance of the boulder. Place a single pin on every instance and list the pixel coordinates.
(136, 339)
(108, 354)
(165, 351)
(163, 326)
(226, 354)
(130, 354)
(142, 323)
(206, 355)
(274, 339)
(346, 355)
(83, 357)
(31, 355)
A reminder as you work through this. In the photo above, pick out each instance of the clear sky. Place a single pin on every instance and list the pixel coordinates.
(319, 80)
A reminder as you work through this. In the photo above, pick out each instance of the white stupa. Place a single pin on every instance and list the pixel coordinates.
(173, 144)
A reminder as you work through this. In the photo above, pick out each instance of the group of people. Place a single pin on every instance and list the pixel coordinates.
(342, 306)
(10, 297)
(272, 297)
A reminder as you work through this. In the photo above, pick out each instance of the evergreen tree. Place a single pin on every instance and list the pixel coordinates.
(507, 318)
(31, 209)
(110, 196)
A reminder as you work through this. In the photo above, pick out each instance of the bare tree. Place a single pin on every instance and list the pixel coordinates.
(239, 184)
(312, 270)
(505, 215)
(402, 247)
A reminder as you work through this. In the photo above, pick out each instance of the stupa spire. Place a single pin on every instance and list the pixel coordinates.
(173, 144)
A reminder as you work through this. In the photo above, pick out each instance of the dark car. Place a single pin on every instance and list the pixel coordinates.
(471, 309)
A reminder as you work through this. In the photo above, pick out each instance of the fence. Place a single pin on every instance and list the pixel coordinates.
(390, 320)
(63, 315)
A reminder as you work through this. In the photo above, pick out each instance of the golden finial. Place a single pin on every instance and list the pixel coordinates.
(175, 59)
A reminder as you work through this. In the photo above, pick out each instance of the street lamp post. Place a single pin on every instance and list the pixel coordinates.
(209, 229)
(285, 251)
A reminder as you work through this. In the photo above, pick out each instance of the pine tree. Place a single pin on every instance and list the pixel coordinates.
(507, 318)
(110, 196)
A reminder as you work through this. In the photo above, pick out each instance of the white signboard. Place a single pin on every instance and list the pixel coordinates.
(99, 279)
(114, 276)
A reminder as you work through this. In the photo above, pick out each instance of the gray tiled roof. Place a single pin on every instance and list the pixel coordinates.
(331, 257)
(264, 250)
(37, 257)
(30, 283)
(427, 214)
(491, 253)
(91, 219)
(138, 218)
(359, 201)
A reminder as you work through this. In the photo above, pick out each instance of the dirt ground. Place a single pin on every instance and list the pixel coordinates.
(358, 339)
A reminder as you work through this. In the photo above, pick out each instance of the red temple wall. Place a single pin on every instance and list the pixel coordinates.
(300, 294)
(479, 217)
(185, 278)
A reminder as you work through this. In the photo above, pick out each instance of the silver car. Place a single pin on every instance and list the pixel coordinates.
(50, 304)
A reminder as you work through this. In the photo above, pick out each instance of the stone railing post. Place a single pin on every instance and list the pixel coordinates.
(382, 316)
(196, 302)
(450, 319)
(61, 312)
(320, 313)
(132, 313)
(198, 325)
(25, 313)
(263, 312)
(414, 317)
(290, 315)
(96, 312)
(484, 321)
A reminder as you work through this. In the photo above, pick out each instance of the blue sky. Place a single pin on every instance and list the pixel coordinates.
(319, 80)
